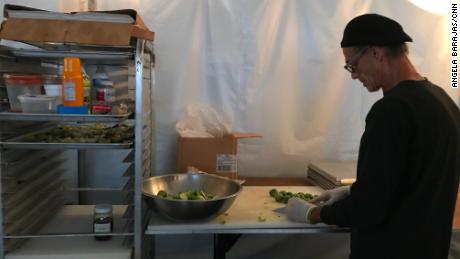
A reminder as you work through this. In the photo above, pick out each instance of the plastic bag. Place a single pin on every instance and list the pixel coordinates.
(203, 121)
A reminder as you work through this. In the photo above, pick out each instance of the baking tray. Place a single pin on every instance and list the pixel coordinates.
(18, 116)
(19, 143)
(21, 208)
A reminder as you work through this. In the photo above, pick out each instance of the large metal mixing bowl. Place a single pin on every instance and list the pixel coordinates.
(224, 189)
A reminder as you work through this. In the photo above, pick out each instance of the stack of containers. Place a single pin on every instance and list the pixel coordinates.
(53, 86)
(21, 88)
(103, 92)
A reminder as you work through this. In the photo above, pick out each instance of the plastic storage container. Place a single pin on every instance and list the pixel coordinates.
(20, 84)
(103, 92)
(53, 86)
(38, 103)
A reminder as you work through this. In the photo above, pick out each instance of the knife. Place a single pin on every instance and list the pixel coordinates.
(281, 210)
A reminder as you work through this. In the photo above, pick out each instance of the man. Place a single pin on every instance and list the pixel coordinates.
(403, 200)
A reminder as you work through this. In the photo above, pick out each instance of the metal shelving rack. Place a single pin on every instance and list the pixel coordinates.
(31, 183)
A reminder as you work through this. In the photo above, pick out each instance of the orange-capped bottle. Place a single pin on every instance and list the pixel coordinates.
(72, 83)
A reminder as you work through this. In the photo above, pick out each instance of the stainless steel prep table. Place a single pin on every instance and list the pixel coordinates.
(251, 213)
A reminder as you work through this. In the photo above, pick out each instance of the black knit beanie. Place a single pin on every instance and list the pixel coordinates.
(373, 30)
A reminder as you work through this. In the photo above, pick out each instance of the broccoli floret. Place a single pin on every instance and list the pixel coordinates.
(279, 198)
(284, 196)
(162, 194)
(183, 196)
(189, 195)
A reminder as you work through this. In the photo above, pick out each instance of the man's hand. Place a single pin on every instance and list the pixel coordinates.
(331, 196)
(299, 210)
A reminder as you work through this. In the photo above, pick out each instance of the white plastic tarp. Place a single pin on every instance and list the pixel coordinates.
(276, 68)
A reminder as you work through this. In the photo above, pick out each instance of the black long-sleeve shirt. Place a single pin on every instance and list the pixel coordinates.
(403, 200)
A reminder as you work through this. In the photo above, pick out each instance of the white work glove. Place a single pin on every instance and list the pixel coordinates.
(299, 210)
(330, 196)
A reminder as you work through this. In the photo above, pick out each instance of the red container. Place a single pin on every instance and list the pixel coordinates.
(21, 84)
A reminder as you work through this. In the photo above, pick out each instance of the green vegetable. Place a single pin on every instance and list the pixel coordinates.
(185, 196)
(261, 219)
(284, 196)
(162, 194)
(85, 133)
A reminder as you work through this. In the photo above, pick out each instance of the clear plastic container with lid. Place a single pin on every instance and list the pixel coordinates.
(53, 86)
(38, 103)
(103, 221)
(21, 84)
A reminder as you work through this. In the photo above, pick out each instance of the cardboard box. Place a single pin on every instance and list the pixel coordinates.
(68, 28)
(211, 155)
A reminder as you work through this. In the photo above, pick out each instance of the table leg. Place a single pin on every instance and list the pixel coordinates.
(223, 243)
(149, 246)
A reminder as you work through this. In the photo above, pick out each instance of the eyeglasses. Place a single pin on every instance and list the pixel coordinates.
(350, 66)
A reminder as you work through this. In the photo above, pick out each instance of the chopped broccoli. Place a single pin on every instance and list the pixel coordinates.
(188, 195)
(261, 219)
(162, 194)
(284, 196)
(273, 192)
(183, 196)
